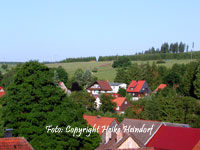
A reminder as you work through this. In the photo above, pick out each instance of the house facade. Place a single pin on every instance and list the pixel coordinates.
(130, 136)
(122, 104)
(116, 86)
(99, 87)
(138, 89)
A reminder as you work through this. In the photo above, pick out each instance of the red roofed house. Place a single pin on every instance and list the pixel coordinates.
(2, 92)
(101, 123)
(122, 104)
(14, 143)
(138, 89)
(160, 87)
(175, 138)
(99, 87)
(136, 134)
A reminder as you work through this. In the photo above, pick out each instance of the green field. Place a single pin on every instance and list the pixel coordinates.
(105, 70)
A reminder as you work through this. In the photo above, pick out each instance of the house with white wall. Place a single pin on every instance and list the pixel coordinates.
(116, 86)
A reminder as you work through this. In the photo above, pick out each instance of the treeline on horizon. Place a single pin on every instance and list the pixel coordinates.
(166, 51)
(80, 59)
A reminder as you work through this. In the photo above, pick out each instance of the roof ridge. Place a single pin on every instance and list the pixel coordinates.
(143, 119)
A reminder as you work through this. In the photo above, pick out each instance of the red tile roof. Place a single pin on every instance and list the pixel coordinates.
(99, 121)
(136, 85)
(197, 146)
(175, 138)
(104, 85)
(161, 86)
(119, 100)
(14, 143)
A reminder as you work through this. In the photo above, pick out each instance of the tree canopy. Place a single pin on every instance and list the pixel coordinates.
(33, 102)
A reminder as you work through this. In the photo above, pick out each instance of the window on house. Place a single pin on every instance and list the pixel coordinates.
(117, 108)
(125, 102)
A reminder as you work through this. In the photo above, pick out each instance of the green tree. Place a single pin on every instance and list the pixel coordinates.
(1, 77)
(33, 102)
(62, 74)
(197, 83)
(173, 79)
(134, 73)
(148, 74)
(8, 77)
(122, 61)
(4, 66)
(181, 47)
(84, 99)
(122, 76)
(176, 47)
(107, 104)
(122, 92)
(84, 79)
(56, 79)
(165, 48)
(187, 87)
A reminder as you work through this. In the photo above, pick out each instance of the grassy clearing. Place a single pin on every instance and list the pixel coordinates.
(105, 70)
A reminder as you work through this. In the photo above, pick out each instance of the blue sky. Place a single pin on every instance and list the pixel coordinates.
(49, 30)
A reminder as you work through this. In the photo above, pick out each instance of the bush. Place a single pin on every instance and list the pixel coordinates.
(122, 62)
(94, 70)
(160, 62)
(122, 92)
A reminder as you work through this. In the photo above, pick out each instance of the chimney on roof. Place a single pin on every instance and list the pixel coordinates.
(98, 116)
(8, 133)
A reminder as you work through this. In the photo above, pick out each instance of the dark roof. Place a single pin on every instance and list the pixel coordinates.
(176, 124)
(14, 143)
(115, 84)
(112, 144)
(137, 123)
(175, 138)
